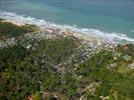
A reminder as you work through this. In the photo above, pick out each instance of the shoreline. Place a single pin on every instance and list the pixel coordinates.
(60, 31)
(51, 31)
(14, 22)
(111, 37)
(48, 32)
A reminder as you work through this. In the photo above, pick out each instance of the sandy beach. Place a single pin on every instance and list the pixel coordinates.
(51, 32)
(14, 22)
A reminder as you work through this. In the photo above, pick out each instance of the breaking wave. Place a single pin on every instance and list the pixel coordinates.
(89, 31)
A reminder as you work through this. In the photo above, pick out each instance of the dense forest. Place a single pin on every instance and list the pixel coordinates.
(48, 70)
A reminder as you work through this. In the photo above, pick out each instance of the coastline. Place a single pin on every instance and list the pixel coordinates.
(54, 32)
(67, 49)
(110, 37)
(56, 52)
(14, 22)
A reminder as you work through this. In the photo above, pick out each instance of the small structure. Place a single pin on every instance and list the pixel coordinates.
(31, 97)
(131, 66)
(125, 47)
(29, 46)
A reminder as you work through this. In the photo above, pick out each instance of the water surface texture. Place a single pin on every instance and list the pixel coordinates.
(105, 15)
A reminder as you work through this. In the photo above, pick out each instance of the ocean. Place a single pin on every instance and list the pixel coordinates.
(113, 19)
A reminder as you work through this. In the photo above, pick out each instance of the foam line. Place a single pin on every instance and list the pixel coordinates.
(89, 31)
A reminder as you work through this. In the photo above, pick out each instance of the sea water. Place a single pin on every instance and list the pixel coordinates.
(108, 18)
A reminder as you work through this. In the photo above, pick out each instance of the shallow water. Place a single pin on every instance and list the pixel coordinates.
(104, 15)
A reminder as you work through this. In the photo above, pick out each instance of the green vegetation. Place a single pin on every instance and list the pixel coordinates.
(25, 71)
(8, 30)
(41, 71)
(1, 19)
(112, 81)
